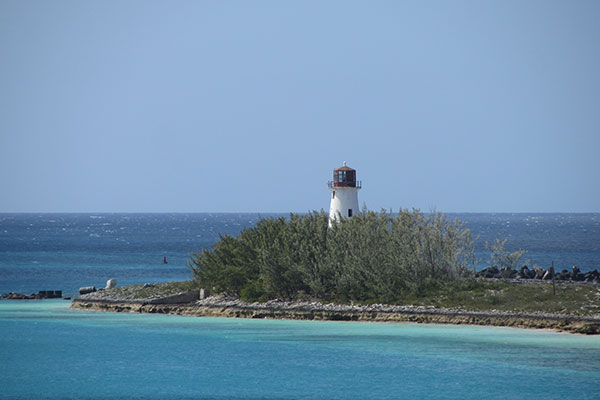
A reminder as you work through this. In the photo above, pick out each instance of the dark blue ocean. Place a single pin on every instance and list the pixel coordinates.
(48, 351)
(67, 251)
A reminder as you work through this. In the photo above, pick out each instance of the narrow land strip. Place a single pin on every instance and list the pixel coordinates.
(221, 306)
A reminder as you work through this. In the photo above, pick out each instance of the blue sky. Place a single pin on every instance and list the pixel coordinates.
(194, 106)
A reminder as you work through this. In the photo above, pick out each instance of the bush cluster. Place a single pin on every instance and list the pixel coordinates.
(372, 257)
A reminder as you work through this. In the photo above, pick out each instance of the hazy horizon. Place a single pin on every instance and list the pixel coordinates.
(395, 211)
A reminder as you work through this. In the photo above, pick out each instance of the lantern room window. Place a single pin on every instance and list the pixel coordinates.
(344, 177)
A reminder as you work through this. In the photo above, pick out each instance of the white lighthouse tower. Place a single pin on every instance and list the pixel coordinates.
(344, 193)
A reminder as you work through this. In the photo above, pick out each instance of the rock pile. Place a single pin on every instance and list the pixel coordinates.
(111, 283)
(42, 294)
(537, 272)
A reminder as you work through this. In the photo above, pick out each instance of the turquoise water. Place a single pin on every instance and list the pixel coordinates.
(48, 351)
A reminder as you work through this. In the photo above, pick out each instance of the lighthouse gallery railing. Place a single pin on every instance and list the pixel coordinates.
(332, 184)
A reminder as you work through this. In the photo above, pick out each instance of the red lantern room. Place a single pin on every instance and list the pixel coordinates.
(344, 176)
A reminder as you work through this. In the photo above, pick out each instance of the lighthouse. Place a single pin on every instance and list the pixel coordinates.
(344, 193)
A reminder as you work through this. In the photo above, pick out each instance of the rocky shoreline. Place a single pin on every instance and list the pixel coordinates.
(222, 306)
(539, 273)
(42, 294)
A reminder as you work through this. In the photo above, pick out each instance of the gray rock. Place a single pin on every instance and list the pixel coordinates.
(17, 296)
(564, 275)
(180, 298)
(111, 283)
(549, 274)
(539, 272)
(575, 274)
(525, 273)
(87, 289)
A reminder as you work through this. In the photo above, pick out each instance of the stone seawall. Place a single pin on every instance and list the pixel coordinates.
(233, 308)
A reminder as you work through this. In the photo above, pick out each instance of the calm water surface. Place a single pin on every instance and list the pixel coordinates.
(51, 352)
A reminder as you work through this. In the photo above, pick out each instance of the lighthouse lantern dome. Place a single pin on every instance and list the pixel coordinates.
(344, 176)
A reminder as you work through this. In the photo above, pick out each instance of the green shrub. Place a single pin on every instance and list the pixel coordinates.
(252, 291)
(372, 257)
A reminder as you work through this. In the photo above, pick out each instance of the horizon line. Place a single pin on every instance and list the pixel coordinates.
(290, 212)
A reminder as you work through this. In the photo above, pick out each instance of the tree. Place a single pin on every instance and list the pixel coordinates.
(370, 257)
(501, 257)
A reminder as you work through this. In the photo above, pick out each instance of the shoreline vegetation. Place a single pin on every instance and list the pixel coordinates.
(404, 267)
(369, 258)
(579, 302)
